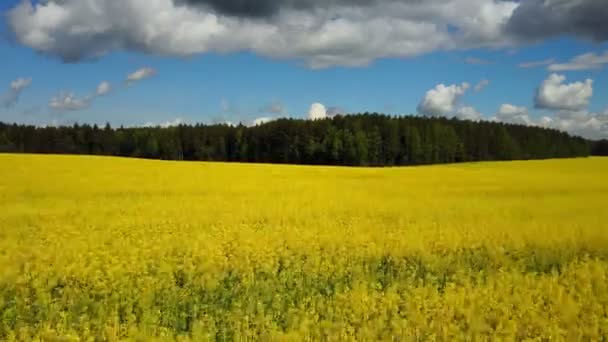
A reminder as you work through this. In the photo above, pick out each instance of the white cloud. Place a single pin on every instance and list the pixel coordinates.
(67, 101)
(441, 100)
(513, 114)
(322, 33)
(20, 84)
(140, 74)
(588, 61)
(262, 120)
(317, 111)
(554, 94)
(166, 124)
(468, 113)
(481, 85)
(582, 123)
(546, 121)
(569, 104)
(175, 122)
(328, 33)
(11, 97)
(103, 88)
(535, 64)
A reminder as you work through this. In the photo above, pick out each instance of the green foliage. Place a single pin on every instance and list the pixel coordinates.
(358, 140)
(600, 148)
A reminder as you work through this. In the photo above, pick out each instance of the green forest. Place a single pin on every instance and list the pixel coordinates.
(355, 140)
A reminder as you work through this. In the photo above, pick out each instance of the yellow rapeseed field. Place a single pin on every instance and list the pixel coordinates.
(95, 248)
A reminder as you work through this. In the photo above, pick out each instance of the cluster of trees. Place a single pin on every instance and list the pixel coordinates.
(600, 148)
(362, 139)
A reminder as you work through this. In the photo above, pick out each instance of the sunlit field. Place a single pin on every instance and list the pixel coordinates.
(96, 248)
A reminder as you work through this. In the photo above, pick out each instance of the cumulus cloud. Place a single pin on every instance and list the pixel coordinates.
(166, 124)
(535, 64)
(140, 74)
(582, 123)
(442, 100)
(546, 121)
(481, 85)
(103, 88)
(323, 33)
(67, 101)
(568, 105)
(317, 111)
(577, 122)
(554, 94)
(20, 84)
(468, 113)
(262, 120)
(588, 61)
(513, 114)
(11, 97)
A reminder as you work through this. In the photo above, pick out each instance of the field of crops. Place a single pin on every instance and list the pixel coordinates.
(95, 248)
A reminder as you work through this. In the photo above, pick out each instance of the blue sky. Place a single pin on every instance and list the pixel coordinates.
(214, 85)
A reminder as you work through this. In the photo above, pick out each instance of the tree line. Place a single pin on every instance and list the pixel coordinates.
(356, 140)
(600, 148)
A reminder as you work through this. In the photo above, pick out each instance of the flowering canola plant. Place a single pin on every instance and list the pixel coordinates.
(97, 248)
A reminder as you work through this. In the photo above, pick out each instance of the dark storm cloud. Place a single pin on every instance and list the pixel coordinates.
(538, 19)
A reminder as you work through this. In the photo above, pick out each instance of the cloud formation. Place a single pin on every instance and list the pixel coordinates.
(103, 88)
(67, 101)
(172, 123)
(583, 123)
(566, 103)
(512, 114)
(481, 85)
(554, 94)
(468, 113)
(262, 120)
(541, 19)
(139, 75)
(588, 61)
(442, 100)
(11, 97)
(317, 111)
(322, 33)
(535, 64)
